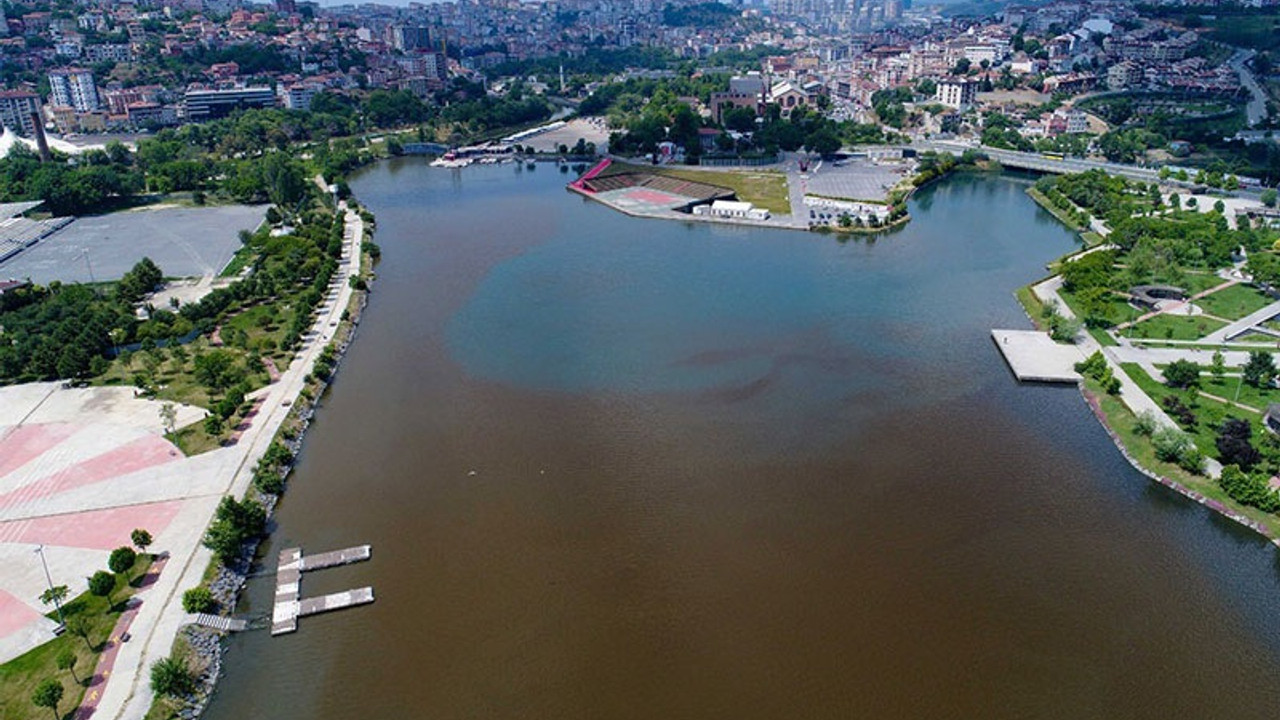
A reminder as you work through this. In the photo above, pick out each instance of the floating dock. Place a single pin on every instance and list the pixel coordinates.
(289, 604)
(1033, 356)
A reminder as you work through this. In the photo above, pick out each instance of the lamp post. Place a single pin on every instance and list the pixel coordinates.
(49, 579)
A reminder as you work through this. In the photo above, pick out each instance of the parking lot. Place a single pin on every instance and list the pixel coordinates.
(854, 180)
(591, 129)
(184, 242)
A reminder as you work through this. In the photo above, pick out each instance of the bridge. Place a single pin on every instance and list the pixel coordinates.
(1040, 163)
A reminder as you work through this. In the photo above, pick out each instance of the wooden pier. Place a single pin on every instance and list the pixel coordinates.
(289, 605)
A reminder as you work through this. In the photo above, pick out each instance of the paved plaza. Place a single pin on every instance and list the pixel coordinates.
(184, 242)
(590, 129)
(80, 469)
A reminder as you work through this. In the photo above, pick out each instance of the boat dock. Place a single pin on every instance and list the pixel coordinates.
(1034, 357)
(289, 604)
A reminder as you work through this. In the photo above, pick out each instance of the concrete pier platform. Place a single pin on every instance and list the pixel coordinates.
(289, 605)
(335, 601)
(1035, 357)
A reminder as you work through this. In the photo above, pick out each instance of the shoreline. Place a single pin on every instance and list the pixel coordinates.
(171, 635)
(1092, 399)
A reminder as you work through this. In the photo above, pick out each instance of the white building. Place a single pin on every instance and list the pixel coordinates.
(732, 209)
(73, 88)
(16, 110)
(959, 94)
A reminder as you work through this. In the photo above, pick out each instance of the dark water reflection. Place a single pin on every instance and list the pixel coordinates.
(616, 468)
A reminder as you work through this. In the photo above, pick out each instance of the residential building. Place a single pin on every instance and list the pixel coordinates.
(19, 111)
(73, 88)
(959, 94)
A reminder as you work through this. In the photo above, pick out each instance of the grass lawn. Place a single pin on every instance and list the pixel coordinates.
(1249, 395)
(1209, 413)
(1122, 422)
(238, 262)
(1175, 327)
(1030, 303)
(1102, 336)
(1053, 210)
(193, 440)
(1092, 239)
(763, 188)
(19, 677)
(1256, 337)
(1234, 302)
(1198, 282)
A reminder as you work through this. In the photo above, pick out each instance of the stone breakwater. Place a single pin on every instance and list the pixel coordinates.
(1208, 502)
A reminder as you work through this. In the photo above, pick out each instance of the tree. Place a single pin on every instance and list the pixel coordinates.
(198, 600)
(1182, 374)
(141, 539)
(214, 424)
(102, 583)
(47, 695)
(1269, 197)
(1260, 370)
(55, 595)
(79, 626)
(169, 416)
(1218, 367)
(122, 560)
(66, 660)
(217, 370)
(171, 676)
(1235, 446)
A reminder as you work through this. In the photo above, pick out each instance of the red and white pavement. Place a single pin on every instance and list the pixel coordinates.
(80, 468)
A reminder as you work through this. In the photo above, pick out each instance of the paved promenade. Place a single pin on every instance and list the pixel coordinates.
(81, 468)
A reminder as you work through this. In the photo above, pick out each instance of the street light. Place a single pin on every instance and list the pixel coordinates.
(62, 623)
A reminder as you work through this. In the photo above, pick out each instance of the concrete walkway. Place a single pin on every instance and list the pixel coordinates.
(158, 621)
(1130, 393)
(1242, 325)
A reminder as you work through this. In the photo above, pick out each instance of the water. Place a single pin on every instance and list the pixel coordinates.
(623, 468)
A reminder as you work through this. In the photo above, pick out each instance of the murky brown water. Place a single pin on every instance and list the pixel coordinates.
(793, 481)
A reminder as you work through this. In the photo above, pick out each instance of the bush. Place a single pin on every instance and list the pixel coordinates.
(173, 677)
(1173, 445)
(198, 600)
(122, 559)
(1146, 423)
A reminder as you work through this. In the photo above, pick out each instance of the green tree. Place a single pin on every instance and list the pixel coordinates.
(1218, 367)
(66, 660)
(141, 539)
(102, 583)
(1260, 370)
(217, 370)
(1182, 374)
(79, 626)
(122, 560)
(172, 676)
(47, 695)
(1269, 197)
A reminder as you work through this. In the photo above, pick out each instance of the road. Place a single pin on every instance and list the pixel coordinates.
(160, 617)
(1257, 107)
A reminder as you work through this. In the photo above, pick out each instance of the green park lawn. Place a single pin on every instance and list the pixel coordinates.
(1234, 302)
(1195, 282)
(1209, 413)
(1123, 423)
(1118, 309)
(1175, 327)
(19, 677)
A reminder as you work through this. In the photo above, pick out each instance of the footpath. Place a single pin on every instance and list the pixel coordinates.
(159, 619)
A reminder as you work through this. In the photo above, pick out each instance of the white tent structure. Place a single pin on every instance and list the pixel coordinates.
(8, 139)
